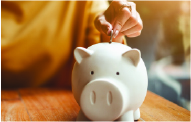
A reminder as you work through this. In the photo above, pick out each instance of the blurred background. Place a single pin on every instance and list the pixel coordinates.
(164, 45)
(165, 48)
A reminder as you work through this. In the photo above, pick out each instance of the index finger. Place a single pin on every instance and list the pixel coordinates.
(122, 16)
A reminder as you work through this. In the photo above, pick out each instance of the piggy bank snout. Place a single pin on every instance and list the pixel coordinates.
(104, 100)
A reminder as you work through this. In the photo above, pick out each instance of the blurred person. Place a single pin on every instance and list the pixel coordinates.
(38, 38)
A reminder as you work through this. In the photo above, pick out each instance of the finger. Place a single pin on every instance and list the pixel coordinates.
(134, 34)
(123, 15)
(133, 11)
(140, 20)
(118, 38)
(133, 20)
(138, 27)
(102, 25)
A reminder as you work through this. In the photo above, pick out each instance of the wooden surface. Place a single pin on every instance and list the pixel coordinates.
(43, 104)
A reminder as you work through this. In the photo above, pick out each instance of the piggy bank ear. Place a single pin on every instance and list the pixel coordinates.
(134, 55)
(80, 53)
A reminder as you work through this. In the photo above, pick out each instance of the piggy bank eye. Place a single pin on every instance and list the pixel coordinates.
(117, 73)
(92, 72)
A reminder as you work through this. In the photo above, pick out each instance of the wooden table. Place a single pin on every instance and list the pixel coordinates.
(41, 104)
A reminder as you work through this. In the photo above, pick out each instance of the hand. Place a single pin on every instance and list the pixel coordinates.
(121, 19)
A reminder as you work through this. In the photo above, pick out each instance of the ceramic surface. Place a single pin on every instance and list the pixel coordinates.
(109, 82)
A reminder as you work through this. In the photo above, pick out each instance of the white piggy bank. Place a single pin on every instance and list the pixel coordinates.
(109, 82)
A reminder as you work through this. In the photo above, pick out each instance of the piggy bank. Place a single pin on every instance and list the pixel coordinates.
(109, 82)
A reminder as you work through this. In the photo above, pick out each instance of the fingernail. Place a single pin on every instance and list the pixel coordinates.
(109, 30)
(115, 33)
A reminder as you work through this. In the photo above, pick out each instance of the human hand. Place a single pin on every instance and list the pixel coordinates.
(121, 19)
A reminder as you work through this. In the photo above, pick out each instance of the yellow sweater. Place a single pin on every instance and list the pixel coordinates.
(38, 39)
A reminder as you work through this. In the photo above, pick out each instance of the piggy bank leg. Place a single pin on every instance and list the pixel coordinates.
(128, 116)
(136, 114)
(81, 117)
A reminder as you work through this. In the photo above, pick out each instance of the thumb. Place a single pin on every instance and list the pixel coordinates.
(102, 25)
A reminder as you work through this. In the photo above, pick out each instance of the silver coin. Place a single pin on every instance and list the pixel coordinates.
(111, 36)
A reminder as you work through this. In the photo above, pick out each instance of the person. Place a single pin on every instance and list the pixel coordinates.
(38, 37)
